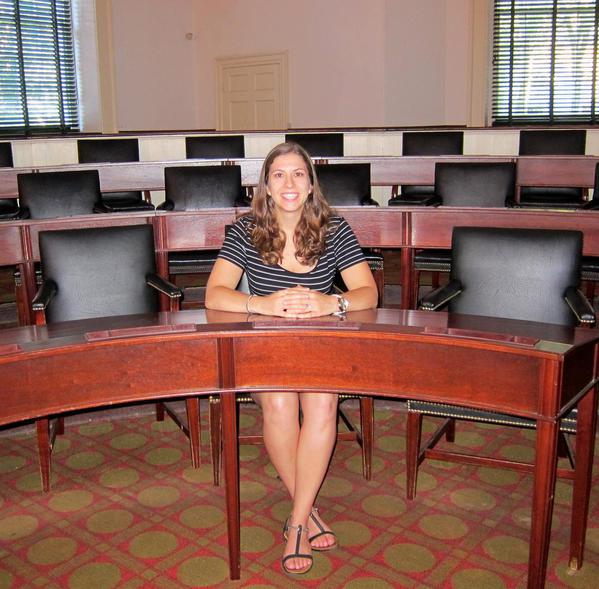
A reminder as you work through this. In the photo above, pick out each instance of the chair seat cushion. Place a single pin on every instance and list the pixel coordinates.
(9, 209)
(375, 261)
(195, 262)
(531, 196)
(567, 424)
(590, 268)
(433, 260)
(124, 205)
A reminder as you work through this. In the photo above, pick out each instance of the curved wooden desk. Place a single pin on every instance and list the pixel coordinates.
(532, 370)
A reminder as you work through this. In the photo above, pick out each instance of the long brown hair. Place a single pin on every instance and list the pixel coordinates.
(310, 232)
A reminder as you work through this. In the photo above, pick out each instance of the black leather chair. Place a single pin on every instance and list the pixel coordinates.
(319, 145)
(470, 184)
(194, 188)
(9, 207)
(100, 272)
(527, 274)
(349, 185)
(552, 142)
(98, 151)
(215, 147)
(426, 143)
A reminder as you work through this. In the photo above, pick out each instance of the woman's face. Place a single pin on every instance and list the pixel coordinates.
(288, 183)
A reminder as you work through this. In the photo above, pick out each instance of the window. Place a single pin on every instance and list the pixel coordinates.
(545, 61)
(37, 67)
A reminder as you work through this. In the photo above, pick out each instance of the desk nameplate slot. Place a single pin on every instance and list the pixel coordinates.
(9, 349)
(306, 324)
(483, 335)
(108, 334)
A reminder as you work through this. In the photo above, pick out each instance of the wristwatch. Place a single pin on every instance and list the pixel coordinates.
(343, 304)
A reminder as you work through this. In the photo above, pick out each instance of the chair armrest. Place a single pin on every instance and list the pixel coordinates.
(415, 201)
(369, 202)
(591, 205)
(23, 213)
(44, 295)
(580, 305)
(164, 286)
(167, 205)
(440, 296)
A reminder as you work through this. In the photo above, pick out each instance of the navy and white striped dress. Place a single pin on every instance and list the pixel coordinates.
(341, 251)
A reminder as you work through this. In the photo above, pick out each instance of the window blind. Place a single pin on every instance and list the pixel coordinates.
(545, 61)
(38, 89)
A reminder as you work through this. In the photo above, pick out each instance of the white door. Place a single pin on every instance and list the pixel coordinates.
(252, 92)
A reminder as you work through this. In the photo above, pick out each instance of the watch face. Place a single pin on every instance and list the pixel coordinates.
(343, 304)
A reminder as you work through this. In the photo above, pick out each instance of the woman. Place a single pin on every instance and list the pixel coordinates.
(290, 247)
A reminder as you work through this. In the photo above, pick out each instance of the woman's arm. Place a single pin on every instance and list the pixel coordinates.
(221, 293)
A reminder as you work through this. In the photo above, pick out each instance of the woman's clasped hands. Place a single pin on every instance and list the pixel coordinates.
(297, 302)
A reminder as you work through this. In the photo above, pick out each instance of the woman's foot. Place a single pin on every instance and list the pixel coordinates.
(297, 557)
(320, 535)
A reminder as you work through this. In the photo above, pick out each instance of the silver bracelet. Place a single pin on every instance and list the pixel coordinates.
(247, 304)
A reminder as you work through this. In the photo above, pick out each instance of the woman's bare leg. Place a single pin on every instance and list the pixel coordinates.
(300, 456)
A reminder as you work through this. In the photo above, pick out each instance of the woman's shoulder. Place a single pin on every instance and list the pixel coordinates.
(244, 225)
(335, 223)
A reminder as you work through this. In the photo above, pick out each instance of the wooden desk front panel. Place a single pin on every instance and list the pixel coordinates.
(556, 171)
(11, 248)
(393, 367)
(194, 230)
(82, 222)
(432, 228)
(103, 374)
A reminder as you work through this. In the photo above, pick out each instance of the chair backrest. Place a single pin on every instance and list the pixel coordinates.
(192, 188)
(6, 160)
(430, 143)
(433, 143)
(345, 184)
(215, 147)
(59, 194)
(100, 272)
(553, 142)
(475, 184)
(319, 144)
(97, 151)
(515, 273)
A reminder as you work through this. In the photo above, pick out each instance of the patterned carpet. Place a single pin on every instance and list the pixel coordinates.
(127, 510)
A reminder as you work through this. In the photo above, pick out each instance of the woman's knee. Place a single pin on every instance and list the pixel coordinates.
(320, 407)
(278, 407)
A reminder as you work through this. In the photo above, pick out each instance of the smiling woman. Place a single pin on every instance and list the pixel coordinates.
(291, 246)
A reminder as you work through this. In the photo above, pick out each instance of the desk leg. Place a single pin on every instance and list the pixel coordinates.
(542, 504)
(407, 276)
(585, 446)
(231, 468)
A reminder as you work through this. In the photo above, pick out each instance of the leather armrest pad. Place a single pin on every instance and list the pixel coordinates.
(164, 286)
(580, 305)
(44, 295)
(369, 202)
(427, 201)
(167, 205)
(440, 296)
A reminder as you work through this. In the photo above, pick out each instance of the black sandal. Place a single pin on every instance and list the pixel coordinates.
(297, 553)
(322, 532)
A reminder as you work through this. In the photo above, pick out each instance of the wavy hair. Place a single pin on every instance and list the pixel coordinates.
(310, 232)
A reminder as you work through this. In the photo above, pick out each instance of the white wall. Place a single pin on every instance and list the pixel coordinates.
(351, 62)
(155, 65)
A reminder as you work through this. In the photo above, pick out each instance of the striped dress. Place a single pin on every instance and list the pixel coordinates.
(341, 252)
